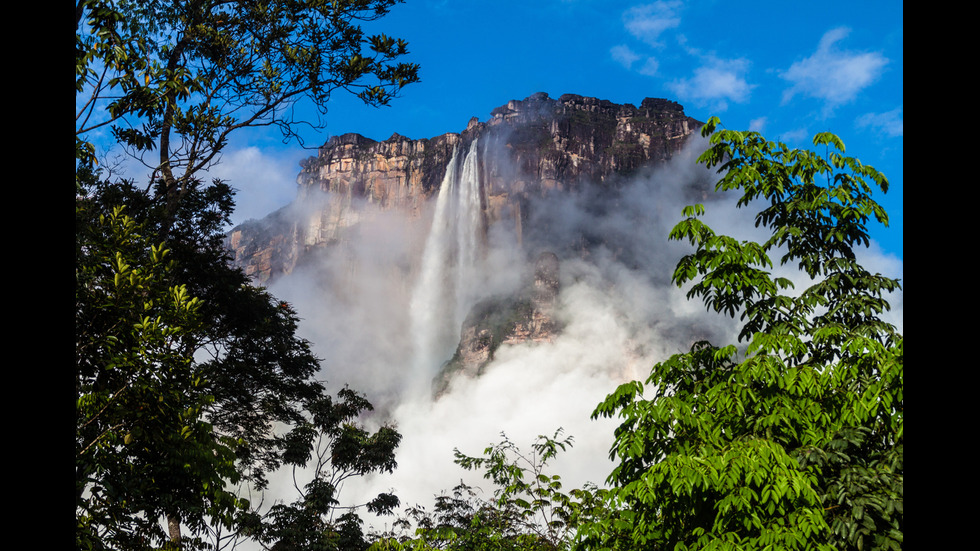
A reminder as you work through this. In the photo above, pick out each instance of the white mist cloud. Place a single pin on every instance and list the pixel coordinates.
(831, 74)
(626, 57)
(798, 137)
(619, 311)
(650, 67)
(717, 82)
(353, 300)
(623, 55)
(264, 182)
(610, 336)
(889, 124)
(649, 21)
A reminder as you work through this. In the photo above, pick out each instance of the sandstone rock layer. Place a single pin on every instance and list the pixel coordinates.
(529, 148)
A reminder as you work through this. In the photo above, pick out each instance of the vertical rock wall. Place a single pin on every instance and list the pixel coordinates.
(530, 148)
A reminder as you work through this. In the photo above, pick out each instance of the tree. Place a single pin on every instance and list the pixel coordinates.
(179, 399)
(463, 521)
(339, 450)
(143, 444)
(230, 381)
(534, 498)
(174, 79)
(529, 509)
(793, 440)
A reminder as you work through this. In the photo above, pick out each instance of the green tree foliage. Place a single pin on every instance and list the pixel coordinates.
(178, 404)
(174, 79)
(143, 445)
(535, 499)
(529, 509)
(339, 450)
(190, 380)
(794, 440)
(460, 521)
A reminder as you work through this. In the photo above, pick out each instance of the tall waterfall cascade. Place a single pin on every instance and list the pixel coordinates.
(447, 285)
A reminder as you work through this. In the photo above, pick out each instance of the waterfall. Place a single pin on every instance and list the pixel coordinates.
(446, 290)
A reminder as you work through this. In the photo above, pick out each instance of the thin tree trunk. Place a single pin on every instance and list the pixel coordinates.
(173, 524)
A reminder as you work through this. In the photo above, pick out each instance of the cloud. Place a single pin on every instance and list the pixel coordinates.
(889, 124)
(833, 75)
(797, 136)
(650, 67)
(264, 182)
(619, 310)
(715, 83)
(627, 57)
(648, 22)
(623, 55)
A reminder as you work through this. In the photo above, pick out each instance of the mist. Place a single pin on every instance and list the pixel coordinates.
(620, 314)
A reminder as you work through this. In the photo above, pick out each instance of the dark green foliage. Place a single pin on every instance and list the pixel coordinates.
(236, 363)
(529, 509)
(795, 441)
(173, 80)
(144, 443)
(339, 450)
(260, 372)
(523, 489)
(189, 380)
(463, 521)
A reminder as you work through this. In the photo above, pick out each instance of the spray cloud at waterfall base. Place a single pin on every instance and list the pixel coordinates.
(388, 329)
(384, 310)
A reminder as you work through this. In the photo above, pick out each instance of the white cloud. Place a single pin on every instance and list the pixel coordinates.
(758, 125)
(650, 67)
(715, 83)
(264, 182)
(889, 123)
(648, 22)
(833, 75)
(623, 55)
(796, 137)
(626, 57)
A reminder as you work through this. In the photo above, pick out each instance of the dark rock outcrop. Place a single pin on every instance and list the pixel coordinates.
(527, 317)
(533, 154)
(529, 148)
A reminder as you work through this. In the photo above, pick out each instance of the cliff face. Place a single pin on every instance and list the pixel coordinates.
(530, 156)
(527, 317)
(530, 148)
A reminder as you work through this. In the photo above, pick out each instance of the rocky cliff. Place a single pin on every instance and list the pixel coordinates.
(530, 157)
(528, 316)
(530, 148)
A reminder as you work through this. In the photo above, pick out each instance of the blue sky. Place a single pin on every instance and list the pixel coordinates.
(787, 69)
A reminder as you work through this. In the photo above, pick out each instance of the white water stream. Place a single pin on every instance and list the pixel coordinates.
(446, 288)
